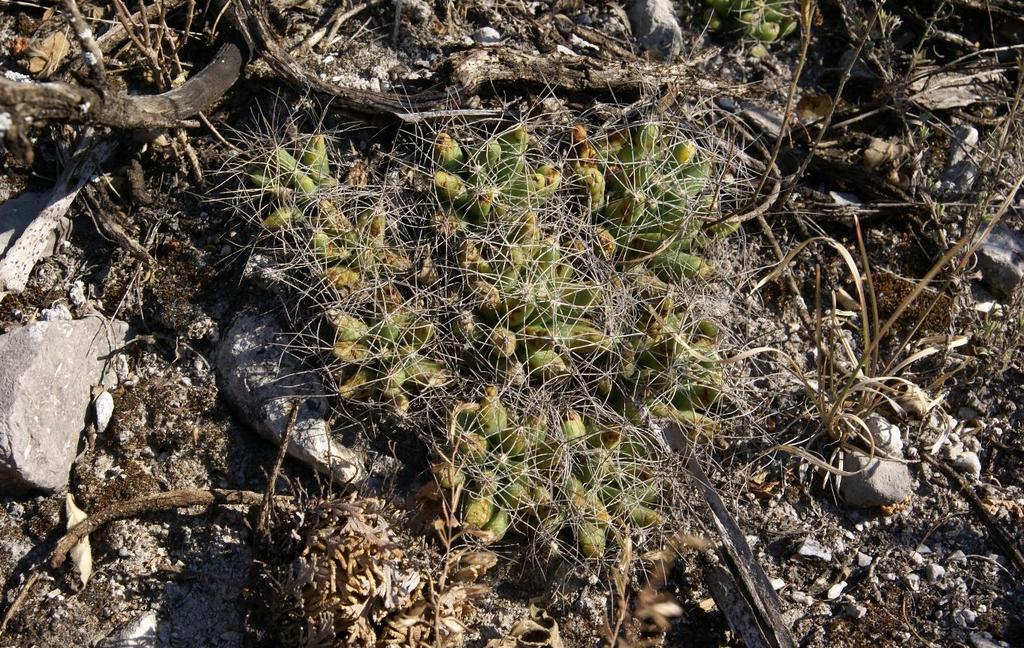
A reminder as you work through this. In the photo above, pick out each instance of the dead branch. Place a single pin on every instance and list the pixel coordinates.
(31, 245)
(55, 101)
(740, 587)
(476, 71)
(146, 504)
(282, 450)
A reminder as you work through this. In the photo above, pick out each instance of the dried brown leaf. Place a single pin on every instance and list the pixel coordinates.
(45, 56)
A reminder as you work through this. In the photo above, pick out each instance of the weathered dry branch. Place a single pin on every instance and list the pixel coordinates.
(146, 504)
(476, 71)
(55, 101)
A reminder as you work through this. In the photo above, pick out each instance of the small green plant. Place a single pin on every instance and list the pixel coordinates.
(764, 20)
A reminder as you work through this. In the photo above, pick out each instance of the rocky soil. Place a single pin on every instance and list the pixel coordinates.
(121, 377)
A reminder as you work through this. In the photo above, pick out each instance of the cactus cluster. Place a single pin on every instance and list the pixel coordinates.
(528, 316)
(764, 20)
(547, 472)
(379, 339)
(650, 198)
(540, 295)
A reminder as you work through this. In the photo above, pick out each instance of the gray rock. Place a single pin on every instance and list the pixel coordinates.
(47, 370)
(961, 171)
(656, 27)
(968, 463)
(984, 640)
(487, 36)
(913, 581)
(965, 617)
(56, 313)
(263, 382)
(140, 632)
(76, 295)
(878, 481)
(1001, 260)
(934, 571)
(811, 548)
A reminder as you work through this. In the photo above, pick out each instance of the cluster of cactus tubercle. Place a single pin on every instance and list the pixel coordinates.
(560, 279)
(529, 305)
(536, 476)
(532, 306)
(646, 196)
(382, 348)
(764, 20)
(651, 197)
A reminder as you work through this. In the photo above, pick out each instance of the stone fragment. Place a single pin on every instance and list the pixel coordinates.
(656, 27)
(968, 463)
(961, 170)
(47, 370)
(1001, 261)
(486, 36)
(140, 632)
(878, 481)
(934, 572)
(103, 409)
(262, 382)
(811, 548)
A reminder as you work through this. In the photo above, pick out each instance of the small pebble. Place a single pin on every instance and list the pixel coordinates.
(487, 36)
(913, 581)
(969, 464)
(965, 618)
(864, 560)
(916, 558)
(77, 294)
(811, 548)
(855, 610)
(801, 598)
(777, 584)
(958, 558)
(103, 407)
(934, 571)
(984, 640)
(836, 591)
(57, 312)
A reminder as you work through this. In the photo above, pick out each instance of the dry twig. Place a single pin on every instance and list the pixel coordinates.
(146, 504)
(994, 529)
(282, 450)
